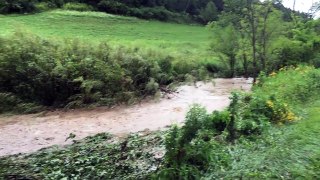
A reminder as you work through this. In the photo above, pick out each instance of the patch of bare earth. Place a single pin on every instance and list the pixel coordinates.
(29, 133)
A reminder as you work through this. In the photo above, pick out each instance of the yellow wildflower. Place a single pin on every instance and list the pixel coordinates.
(270, 104)
(273, 74)
(291, 116)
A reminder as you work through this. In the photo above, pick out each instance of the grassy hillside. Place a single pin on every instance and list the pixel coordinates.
(178, 39)
(178, 51)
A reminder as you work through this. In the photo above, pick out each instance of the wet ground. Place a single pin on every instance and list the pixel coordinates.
(29, 133)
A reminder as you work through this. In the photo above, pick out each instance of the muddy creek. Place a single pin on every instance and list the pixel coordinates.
(29, 133)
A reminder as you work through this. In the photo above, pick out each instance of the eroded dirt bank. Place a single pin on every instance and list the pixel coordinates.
(29, 133)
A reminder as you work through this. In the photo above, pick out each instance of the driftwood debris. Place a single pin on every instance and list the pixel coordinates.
(167, 93)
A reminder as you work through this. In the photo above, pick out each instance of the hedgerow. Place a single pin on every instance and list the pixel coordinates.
(70, 73)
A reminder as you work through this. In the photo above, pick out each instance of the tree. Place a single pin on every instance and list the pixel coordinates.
(16, 6)
(257, 24)
(314, 9)
(251, 18)
(209, 13)
(226, 42)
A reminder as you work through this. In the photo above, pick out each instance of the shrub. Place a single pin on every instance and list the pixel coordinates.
(8, 101)
(218, 121)
(112, 7)
(55, 3)
(192, 149)
(17, 6)
(213, 67)
(197, 147)
(294, 85)
(77, 7)
(72, 74)
(43, 6)
(159, 13)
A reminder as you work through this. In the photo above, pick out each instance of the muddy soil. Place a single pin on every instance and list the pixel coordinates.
(29, 133)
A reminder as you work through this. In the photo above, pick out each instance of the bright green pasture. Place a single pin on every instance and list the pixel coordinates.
(176, 39)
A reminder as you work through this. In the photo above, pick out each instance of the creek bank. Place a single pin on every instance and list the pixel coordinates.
(29, 133)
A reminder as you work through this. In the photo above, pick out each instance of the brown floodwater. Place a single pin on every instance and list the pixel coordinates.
(29, 133)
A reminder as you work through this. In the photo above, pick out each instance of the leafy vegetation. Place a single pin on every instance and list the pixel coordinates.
(268, 133)
(257, 38)
(99, 157)
(243, 141)
(251, 142)
(74, 74)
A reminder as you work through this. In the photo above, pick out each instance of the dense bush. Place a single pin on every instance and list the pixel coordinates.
(294, 85)
(197, 147)
(43, 6)
(17, 6)
(71, 73)
(191, 149)
(77, 7)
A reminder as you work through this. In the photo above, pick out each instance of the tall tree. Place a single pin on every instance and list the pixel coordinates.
(265, 10)
(209, 13)
(252, 20)
(226, 42)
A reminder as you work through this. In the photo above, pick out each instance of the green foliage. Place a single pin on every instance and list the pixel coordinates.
(209, 13)
(294, 85)
(287, 152)
(77, 7)
(73, 74)
(112, 7)
(101, 156)
(192, 149)
(256, 38)
(17, 6)
(202, 145)
(226, 42)
(260, 148)
(159, 13)
(43, 6)
(10, 102)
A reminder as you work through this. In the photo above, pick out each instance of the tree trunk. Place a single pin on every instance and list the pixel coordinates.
(253, 39)
(232, 63)
(264, 39)
(245, 65)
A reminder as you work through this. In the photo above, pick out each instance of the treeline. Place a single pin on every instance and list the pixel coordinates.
(200, 11)
(254, 37)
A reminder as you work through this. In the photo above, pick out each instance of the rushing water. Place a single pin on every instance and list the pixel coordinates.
(29, 133)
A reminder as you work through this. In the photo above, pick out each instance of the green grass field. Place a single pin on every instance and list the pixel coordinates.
(190, 41)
